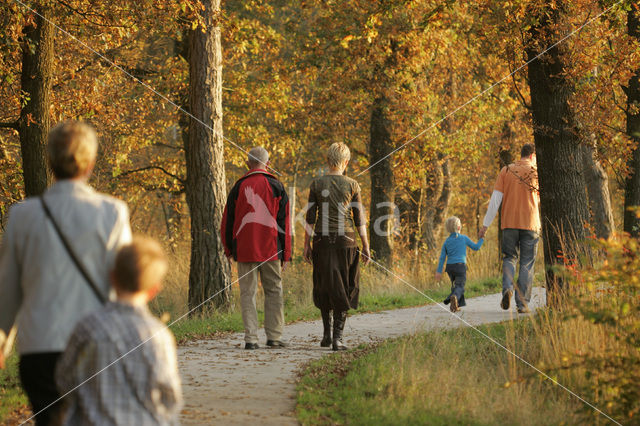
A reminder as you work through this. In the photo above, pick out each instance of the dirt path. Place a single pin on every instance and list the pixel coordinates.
(224, 384)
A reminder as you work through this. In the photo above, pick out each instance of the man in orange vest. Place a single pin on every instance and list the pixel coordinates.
(517, 190)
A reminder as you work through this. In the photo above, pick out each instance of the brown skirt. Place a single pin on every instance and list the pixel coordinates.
(336, 273)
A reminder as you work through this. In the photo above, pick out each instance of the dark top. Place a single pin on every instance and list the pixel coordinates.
(335, 206)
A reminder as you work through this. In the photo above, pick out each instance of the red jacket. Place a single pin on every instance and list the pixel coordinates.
(256, 226)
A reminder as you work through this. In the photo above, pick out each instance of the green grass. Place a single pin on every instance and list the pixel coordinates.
(11, 393)
(437, 378)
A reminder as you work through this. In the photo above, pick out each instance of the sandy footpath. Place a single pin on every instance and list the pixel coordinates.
(224, 384)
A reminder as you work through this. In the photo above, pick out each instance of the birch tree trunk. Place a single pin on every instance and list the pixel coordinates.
(597, 184)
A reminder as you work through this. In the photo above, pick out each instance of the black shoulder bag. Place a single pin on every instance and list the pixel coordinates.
(72, 255)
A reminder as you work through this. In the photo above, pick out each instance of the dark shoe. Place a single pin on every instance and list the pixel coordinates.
(326, 324)
(276, 344)
(454, 304)
(337, 345)
(251, 346)
(523, 310)
(506, 300)
(339, 319)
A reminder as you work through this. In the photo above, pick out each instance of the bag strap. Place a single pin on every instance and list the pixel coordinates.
(72, 255)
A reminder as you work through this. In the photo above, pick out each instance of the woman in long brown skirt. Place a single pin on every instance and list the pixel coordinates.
(335, 215)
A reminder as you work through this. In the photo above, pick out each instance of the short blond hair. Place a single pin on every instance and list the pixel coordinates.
(140, 265)
(338, 153)
(453, 224)
(72, 148)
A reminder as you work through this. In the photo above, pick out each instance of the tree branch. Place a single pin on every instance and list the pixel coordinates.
(136, 72)
(86, 15)
(162, 169)
(9, 125)
(518, 92)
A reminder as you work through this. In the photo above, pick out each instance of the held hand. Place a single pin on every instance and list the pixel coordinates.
(438, 276)
(284, 265)
(307, 253)
(482, 232)
(366, 256)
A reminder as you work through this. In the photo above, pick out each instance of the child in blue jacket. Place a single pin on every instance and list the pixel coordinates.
(454, 250)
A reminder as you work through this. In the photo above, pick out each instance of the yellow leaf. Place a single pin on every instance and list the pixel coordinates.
(345, 41)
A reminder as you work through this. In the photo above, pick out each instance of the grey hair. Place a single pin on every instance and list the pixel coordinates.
(258, 156)
(452, 224)
(72, 148)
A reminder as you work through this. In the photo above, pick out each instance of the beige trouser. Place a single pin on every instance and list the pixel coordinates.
(273, 306)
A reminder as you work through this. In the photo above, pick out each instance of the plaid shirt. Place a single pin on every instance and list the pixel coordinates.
(142, 388)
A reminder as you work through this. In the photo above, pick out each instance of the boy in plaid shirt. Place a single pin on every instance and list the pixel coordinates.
(120, 366)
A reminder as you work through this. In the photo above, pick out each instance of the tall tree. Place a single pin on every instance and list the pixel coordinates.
(205, 185)
(562, 188)
(597, 184)
(437, 197)
(632, 183)
(34, 122)
(382, 192)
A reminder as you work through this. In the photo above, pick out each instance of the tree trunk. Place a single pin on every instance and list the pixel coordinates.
(382, 194)
(206, 187)
(34, 121)
(437, 203)
(563, 198)
(597, 184)
(632, 183)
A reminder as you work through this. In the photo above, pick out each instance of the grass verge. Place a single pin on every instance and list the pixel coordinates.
(451, 377)
(11, 396)
(216, 323)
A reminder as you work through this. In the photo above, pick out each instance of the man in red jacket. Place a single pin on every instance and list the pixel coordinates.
(256, 233)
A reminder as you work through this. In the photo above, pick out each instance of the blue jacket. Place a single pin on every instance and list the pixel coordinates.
(454, 249)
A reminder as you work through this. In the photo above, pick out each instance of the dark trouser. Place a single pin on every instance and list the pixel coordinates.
(524, 243)
(336, 272)
(37, 376)
(458, 274)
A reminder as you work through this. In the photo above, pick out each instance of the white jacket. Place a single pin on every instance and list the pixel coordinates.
(41, 290)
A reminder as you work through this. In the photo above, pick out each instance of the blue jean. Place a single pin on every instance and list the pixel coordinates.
(524, 243)
(458, 274)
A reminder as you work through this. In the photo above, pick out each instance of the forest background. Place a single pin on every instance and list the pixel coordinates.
(300, 75)
(432, 97)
